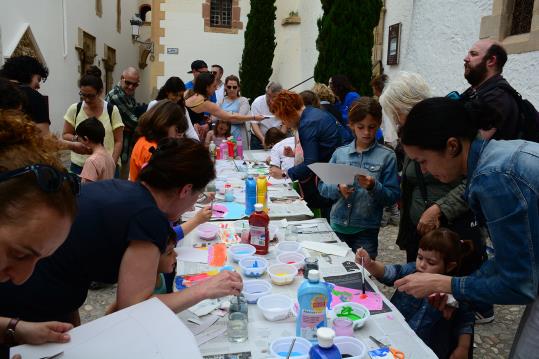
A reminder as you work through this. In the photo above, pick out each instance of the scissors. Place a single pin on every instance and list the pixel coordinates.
(396, 353)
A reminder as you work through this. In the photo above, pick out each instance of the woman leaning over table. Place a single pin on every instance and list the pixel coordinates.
(37, 208)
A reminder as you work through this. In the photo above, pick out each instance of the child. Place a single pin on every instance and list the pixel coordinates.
(356, 215)
(440, 252)
(99, 165)
(277, 142)
(220, 133)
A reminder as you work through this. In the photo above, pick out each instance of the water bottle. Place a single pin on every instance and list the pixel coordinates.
(212, 148)
(313, 298)
(250, 195)
(239, 148)
(325, 349)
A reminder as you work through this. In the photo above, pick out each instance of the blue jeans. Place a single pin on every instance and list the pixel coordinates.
(366, 239)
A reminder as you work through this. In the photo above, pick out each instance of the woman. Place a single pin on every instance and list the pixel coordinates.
(318, 136)
(503, 191)
(118, 235)
(197, 104)
(346, 94)
(37, 208)
(166, 119)
(233, 102)
(173, 90)
(92, 105)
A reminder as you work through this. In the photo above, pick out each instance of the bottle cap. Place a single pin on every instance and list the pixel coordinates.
(314, 275)
(325, 336)
(259, 207)
(261, 176)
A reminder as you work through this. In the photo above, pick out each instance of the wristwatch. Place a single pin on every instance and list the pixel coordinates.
(9, 335)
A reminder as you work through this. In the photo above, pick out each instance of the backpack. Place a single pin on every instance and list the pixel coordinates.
(528, 117)
(110, 108)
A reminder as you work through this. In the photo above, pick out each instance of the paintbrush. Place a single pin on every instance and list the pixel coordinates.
(362, 276)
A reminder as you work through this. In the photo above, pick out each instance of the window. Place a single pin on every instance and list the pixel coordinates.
(522, 17)
(221, 13)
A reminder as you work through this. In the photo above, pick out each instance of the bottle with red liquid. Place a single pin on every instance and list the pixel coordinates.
(259, 229)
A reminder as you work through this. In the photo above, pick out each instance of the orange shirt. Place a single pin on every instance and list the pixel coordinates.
(139, 157)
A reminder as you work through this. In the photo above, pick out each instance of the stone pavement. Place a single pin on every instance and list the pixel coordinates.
(492, 340)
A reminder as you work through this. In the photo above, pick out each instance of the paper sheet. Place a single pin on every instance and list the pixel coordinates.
(337, 173)
(325, 248)
(373, 301)
(146, 330)
(195, 255)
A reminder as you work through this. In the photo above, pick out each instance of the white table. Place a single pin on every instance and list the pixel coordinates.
(389, 327)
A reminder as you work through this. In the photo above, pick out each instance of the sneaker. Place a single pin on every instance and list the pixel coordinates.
(386, 217)
(394, 215)
(484, 318)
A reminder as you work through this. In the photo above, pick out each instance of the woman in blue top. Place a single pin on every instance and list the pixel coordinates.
(233, 102)
(503, 192)
(346, 95)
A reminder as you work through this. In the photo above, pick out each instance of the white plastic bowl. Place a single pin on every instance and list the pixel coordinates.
(351, 346)
(282, 274)
(207, 231)
(249, 269)
(239, 251)
(254, 289)
(279, 348)
(357, 309)
(275, 306)
(288, 246)
(295, 258)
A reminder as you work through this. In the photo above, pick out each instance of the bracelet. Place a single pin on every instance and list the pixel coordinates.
(9, 335)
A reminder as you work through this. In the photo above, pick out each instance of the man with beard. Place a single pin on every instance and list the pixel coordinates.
(483, 66)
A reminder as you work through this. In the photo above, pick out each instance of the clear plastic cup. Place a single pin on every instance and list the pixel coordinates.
(343, 327)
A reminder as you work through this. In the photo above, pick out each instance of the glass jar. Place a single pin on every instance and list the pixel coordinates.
(310, 263)
(238, 320)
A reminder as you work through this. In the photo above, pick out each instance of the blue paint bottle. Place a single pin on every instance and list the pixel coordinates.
(325, 349)
(250, 195)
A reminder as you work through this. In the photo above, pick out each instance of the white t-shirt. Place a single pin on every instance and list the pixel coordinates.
(260, 107)
(190, 133)
(220, 93)
(277, 157)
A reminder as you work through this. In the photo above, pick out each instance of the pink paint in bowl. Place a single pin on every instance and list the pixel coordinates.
(207, 231)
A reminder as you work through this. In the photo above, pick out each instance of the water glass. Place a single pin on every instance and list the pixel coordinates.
(237, 327)
(291, 233)
(343, 327)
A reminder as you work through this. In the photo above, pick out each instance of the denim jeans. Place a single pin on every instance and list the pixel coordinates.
(366, 239)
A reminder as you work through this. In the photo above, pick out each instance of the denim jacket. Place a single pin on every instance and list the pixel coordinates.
(503, 192)
(439, 334)
(364, 208)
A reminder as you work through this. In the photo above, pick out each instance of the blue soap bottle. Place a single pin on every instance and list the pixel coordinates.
(250, 195)
(325, 349)
(313, 298)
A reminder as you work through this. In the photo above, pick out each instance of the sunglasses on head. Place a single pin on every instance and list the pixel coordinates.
(48, 178)
(231, 87)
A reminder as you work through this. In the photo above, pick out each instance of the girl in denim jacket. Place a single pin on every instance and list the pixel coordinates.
(440, 252)
(357, 213)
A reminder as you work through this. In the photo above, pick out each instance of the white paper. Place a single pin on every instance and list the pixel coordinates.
(205, 307)
(326, 248)
(213, 332)
(194, 255)
(147, 330)
(337, 173)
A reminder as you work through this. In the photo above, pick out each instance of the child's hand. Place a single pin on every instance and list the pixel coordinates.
(361, 253)
(459, 353)
(204, 215)
(366, 182)
(345, 191)
(288, 151)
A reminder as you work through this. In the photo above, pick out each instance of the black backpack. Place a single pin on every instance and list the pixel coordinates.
(110, 108)
(528, 126)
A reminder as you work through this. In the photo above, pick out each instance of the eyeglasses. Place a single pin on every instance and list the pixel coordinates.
(131, 83)
(232, 87)
(89, 96)
(48, 178)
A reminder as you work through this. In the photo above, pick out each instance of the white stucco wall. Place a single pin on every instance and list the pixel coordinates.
(46, 19)
(435, 38)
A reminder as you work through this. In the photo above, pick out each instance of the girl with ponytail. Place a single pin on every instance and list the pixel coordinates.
(502, 190)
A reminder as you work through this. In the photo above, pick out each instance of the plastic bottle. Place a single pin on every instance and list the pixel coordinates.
(223, 150)
(250, 195)
(325, 349)
(229, 193)
(212, 148)
(313, 297)
(262, 191)
(230, 146)
(258, 229)
(239, 148)
(217, 153)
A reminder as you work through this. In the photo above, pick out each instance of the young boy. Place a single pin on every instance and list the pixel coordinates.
(277, 141)
(99, 165)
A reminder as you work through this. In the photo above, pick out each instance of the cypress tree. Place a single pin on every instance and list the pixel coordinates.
(257, 57)
(345, 40)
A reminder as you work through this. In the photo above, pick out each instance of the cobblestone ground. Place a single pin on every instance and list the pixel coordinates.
(491, 340)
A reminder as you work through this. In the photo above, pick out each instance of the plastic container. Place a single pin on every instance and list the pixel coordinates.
(262, 191)
(254, 289)
(343, 327)
(357, 309)
(313, 299)
(229, 193)
(275, 306)
(250, 195)
(241, 228)
(253, 267)
(239, 148)
(282, 274)
(239, 251)
(295, 258)
(212, 148)
(207, 231)
(351, 346)
(279, 348)
(223, 150)
(230, 148)
(325, 349)
(288, 246)
(258, 230)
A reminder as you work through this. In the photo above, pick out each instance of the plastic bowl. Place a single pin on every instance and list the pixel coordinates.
(207, 231)
(240, 251)
(275, 306)
(288, 246)
(351, 346)
(279, 348)
(254, 289)
(253, 266)
(357, 309)
(295, 258)
(282, 274)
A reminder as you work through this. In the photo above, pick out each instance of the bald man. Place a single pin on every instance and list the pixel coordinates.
(483, 66)
(123, 96)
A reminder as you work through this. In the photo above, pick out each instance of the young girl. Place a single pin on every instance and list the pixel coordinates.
(276, 142)
(440, 252)
(220, 133)
(356, 215)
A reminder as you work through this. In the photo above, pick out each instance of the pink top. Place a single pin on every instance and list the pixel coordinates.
(99, 166)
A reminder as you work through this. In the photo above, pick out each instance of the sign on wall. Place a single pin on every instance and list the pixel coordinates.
(393, 47)
(172, 51)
